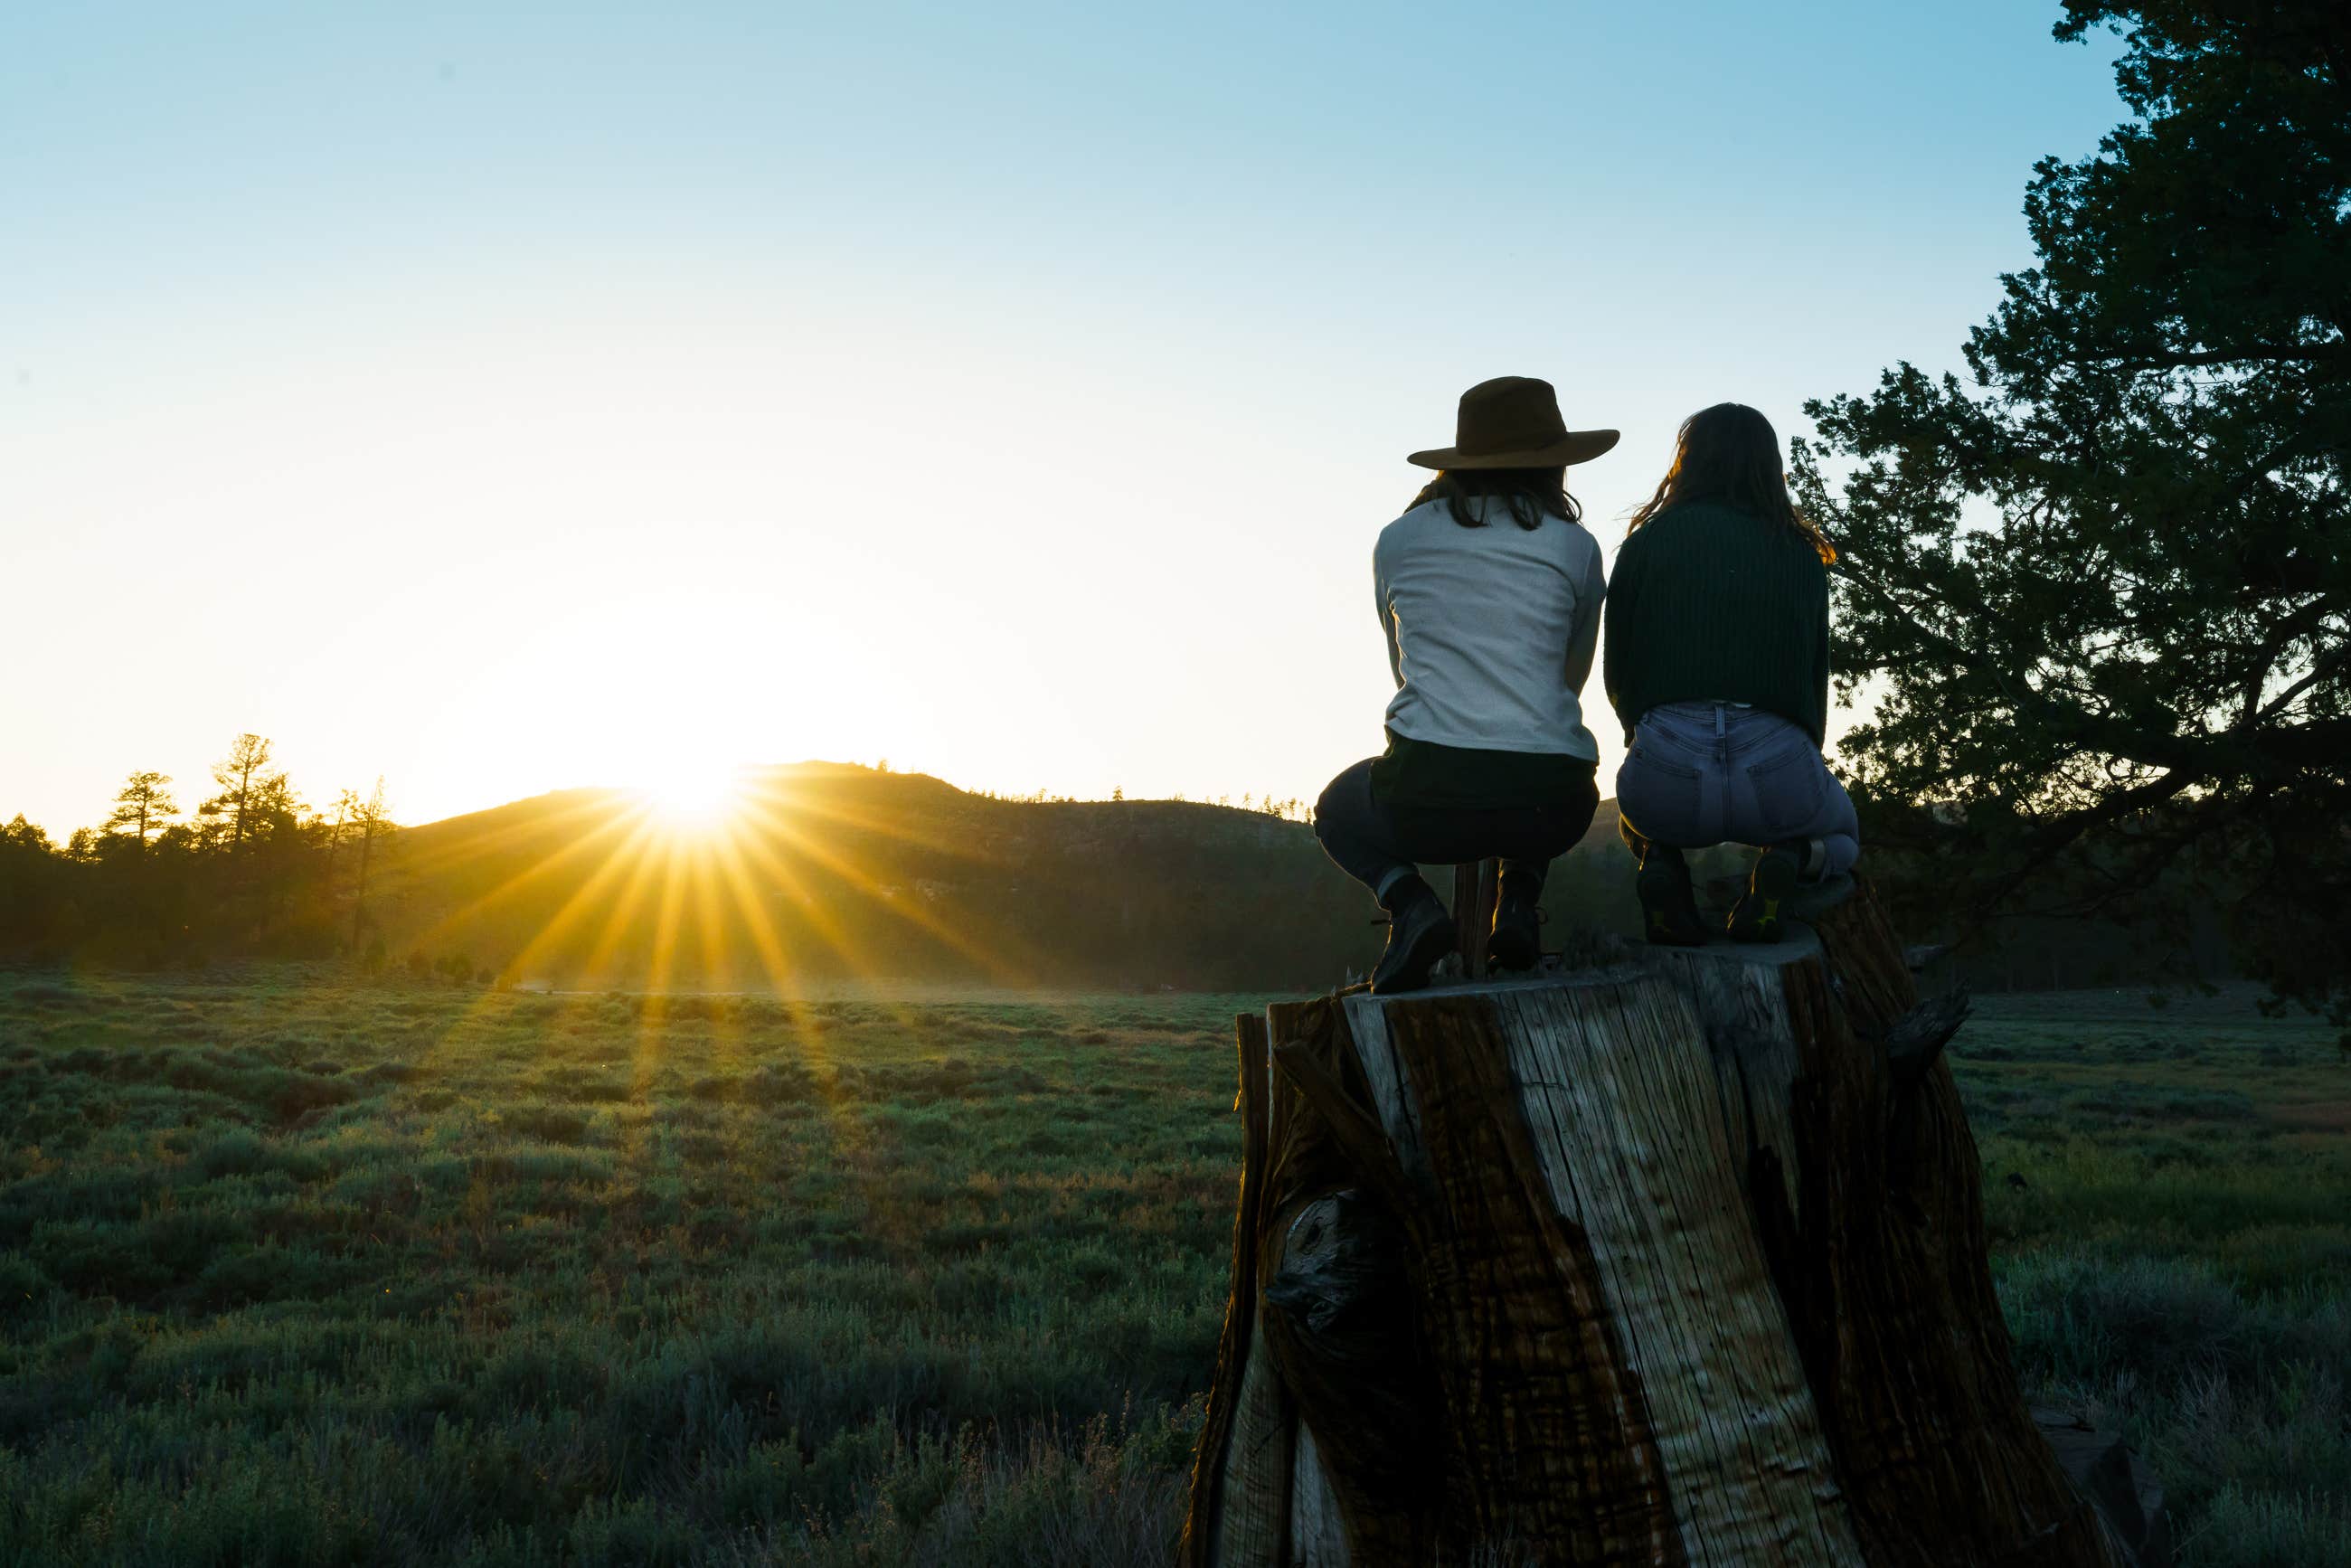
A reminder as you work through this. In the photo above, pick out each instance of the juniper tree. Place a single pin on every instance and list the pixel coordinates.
(2098, 594)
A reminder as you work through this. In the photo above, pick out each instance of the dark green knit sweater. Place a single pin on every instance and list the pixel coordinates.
(1711, 604)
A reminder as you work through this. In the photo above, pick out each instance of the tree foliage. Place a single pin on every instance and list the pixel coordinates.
(256, 873)
(144, 806)
(2097, 597)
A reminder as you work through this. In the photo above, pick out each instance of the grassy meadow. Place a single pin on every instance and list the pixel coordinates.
(294, 1271)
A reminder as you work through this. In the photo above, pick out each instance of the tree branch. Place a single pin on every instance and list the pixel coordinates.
(2248, 353)
(2031, 863)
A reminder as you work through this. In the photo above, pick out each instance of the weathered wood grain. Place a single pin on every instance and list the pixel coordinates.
(1680, 1262)
(1339, 1316)
(1621, 1091)
(1892, 1294)
(1476, 886)
(1546, 1428)
(1318, 1532)
(1627, 1125)
(1254, 1506)
(1240, 1492)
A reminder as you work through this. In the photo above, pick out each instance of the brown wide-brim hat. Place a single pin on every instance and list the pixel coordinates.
(1512, 421)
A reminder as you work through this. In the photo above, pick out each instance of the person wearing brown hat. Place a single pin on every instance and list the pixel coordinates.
(1488, 591)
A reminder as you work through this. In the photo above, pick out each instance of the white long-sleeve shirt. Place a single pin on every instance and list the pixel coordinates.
(1490, 629)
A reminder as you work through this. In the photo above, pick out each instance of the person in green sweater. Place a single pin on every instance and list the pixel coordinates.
(1716, 657)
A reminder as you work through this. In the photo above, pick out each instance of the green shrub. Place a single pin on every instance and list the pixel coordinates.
(815, 1290)
(2269, 1531)
(25, 1290)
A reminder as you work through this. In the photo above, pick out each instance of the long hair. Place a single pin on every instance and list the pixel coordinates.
(1730, 455)
(1532, 494)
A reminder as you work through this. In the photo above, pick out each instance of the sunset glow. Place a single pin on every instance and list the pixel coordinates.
(770, 414)
(744, 877)
(696, 796)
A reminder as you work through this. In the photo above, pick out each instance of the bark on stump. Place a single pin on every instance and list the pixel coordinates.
(1677, 1261)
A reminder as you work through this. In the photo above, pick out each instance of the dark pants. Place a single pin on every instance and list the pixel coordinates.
(1380, 845)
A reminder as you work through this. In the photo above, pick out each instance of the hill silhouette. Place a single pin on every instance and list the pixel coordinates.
(830, 871)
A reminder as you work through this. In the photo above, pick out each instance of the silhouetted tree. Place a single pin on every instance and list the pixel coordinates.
(31, 877)
(143, 807)
(235, 773)
(273, 810)
(346, 806)
(256, 875)
(371, 822)
(2101, 595)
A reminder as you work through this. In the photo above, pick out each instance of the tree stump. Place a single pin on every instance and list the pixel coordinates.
(1477, 885)
(1677, 1261)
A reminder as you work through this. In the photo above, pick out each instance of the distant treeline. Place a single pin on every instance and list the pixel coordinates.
(831, 872)
(827, 871)
(252, 870)
(834, 872)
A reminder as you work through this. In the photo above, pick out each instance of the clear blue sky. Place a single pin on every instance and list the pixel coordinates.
(503, 398)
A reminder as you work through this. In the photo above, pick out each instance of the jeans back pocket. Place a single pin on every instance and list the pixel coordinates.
(1791, 786)
(1658, 793)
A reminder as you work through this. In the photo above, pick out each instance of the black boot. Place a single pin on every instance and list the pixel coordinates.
(1669, 916)
(1761, 913)
(1516, 939)
(1420, 932)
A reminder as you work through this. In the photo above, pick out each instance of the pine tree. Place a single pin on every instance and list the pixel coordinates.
(372, 821)
(144, 806)
(235, 775)
(2099, 598)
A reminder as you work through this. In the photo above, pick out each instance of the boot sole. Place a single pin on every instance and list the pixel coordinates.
(1427, 949)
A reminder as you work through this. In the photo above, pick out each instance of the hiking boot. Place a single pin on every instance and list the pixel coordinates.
(1516, 939)
(1420, 932)
(1669, 916)
(1761, 913)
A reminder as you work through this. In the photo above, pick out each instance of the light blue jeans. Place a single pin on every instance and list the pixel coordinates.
(1709, 773)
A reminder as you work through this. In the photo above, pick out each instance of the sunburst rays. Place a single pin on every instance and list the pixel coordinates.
(784, 886)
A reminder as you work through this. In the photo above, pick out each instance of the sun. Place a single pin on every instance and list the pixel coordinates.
(701, 796)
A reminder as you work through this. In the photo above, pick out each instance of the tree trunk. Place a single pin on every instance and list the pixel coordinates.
(359, 899)
(1678, 1260)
